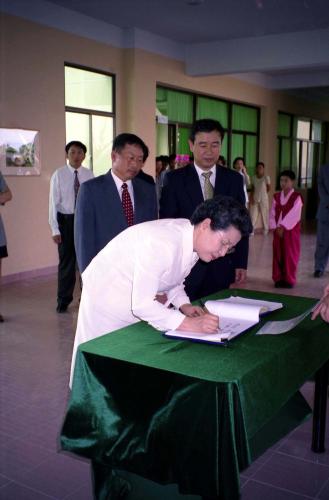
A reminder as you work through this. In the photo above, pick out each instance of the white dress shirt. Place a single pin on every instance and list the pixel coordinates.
(61, 195)
(202, 180)
(121, 282)
(119, 182)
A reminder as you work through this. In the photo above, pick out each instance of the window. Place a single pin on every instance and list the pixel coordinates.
(299, 147)
(176, 111)
(89, 111)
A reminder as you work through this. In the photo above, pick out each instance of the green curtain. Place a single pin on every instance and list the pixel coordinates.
(236, 146)
(212, 108)
(162, 146)
(182, 142)
(285, 160)
(284, 125)
(177, 106)
(224, 147)
(251, 153)
(244, 118)
(161, 100)
(295, 157)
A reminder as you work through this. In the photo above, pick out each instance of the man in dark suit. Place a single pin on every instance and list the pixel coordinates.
(110, 203)
(184, 189)
(322, 236)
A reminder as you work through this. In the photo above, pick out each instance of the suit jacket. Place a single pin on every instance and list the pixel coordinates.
(99, 215)
(145, 177)
(181, 194)
(323, 188)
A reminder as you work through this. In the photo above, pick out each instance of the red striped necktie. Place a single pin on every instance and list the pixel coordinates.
(127, 205)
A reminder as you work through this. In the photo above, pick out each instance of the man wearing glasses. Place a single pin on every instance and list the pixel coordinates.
(186, 188)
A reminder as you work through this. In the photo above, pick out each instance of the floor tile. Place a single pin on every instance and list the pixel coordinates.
(58, 476)
(35, 355)
(14, 491)
(19, 456)
(254, 490)
(295, 475)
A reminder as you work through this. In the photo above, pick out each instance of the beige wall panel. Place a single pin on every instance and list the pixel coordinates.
(32, 61)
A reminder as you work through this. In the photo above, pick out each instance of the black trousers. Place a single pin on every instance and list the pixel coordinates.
(67, 259)
(207, 278)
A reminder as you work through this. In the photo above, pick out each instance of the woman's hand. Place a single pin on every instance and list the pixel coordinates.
(191, 311)
(206, 323)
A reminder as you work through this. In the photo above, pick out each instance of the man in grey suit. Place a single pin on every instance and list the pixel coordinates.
(110, 203)
(322, 237)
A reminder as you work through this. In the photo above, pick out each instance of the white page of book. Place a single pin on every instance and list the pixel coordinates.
(233, 319)
(266, 305)
(236, 314)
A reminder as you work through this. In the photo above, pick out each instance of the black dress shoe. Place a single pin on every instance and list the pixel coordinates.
(1, 319)
(285, 284)
(278, 284)
(318, 274)
(61, 309)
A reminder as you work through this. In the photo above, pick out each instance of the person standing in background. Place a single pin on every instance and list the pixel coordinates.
(64, 186)
(184, 189)
(239, 166)
(259, 203)
(322, 235)
(222, 161)
(285, 219)
(172, 162)
(160, 171)
(114, 201)
(5, 196)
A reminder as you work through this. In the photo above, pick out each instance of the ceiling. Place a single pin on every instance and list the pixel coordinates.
(280, 44)
(191, 21)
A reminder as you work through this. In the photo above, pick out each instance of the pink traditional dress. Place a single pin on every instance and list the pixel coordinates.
(286, 212)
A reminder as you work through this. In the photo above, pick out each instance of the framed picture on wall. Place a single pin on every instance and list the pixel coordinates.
(19, 151)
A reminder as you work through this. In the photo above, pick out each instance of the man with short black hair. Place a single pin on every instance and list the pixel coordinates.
(184, 189)
(110, 203)
(321, 255)
(64, 186)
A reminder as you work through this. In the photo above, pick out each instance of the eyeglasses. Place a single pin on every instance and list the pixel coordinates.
(226, 244)
(230, 251)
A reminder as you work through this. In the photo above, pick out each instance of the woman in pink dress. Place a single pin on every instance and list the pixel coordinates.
(285, 219)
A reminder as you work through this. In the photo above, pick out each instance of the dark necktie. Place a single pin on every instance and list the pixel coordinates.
(127, 205)
(76, 186)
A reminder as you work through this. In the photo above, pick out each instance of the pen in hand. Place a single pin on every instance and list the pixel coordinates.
(205, 310)
(203, 306)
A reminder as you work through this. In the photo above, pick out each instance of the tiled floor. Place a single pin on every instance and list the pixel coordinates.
(36, 346)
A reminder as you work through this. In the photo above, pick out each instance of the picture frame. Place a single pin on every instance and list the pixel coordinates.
(19, 152)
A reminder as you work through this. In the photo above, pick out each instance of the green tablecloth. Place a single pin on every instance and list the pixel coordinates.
(190, 413)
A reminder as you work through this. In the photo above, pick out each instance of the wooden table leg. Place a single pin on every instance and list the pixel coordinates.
(320, 408)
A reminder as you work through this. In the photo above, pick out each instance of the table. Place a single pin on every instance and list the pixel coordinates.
(195, 414)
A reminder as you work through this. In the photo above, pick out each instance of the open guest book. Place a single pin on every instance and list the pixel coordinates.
(236, 315)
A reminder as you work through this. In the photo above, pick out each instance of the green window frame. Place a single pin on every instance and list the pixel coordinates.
(176, 110)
